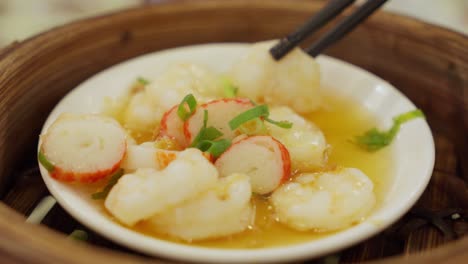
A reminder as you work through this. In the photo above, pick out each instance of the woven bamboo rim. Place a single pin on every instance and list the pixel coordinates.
(427, 63)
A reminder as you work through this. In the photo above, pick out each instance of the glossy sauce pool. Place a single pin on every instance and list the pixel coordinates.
(339, 120)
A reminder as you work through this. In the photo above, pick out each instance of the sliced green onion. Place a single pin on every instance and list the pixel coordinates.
(142, 81)
(405, 117)
(211, 133)
(197, 139)
(215, 148)
(205, 139)
(373, 139)
(254, 127)
(282, 124)
(182, 112)
(252, 113)
(259, 111)
(206, 133)
(199, 136)
(45, 162)
(41, 210)
(79, 235)
(112, 181)
(205, 118)
(229, 89)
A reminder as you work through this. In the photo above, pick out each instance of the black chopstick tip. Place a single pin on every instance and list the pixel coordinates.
(281, 48)
(332, 9)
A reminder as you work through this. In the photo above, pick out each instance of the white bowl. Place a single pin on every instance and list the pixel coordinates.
(413, 152)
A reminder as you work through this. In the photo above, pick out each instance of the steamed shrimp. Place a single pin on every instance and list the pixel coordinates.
(305, 142)
(325, 201)
(169, 88)
(140, 195)
(147, 155)
(143, 110)
(293, 81)
(141, 114)
(220, 211)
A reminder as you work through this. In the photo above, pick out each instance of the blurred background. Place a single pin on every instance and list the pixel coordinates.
(20, 19)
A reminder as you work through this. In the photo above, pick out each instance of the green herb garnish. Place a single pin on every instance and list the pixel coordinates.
(206, 139)
(206, 133)
(254, 127)
(211, 133)
(188, 102)
(45, 162)
(215, 148)
(112, 181)
(282, 123)
(244, 117)
(259, 111)
(229, 89)
(79, 235)
(41, 210)
(142, 81)
(374, 139)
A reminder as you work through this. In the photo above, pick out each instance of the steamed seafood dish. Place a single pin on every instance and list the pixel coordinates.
(198, 156)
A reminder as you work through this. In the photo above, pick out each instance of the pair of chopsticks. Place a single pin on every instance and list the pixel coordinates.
(332, 9)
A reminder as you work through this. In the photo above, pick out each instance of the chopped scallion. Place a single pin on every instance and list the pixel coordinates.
(112, 181)
(206, 133)
(215, 148)
(258, 111)
(205, 118)
(200, 135)
(282, 124)
(142, 81)
(211, 133)
(79, 235)
(182, 111)
(373, 139)
(229, 89)
(402, 118)
(252, 113)
(205, 139)
(254, 127)
(41, 210)
(45, 162)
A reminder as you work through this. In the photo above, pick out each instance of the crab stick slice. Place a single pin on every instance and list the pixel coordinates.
(82, 147)
(264, 159)
(220, 112)
(173, 127)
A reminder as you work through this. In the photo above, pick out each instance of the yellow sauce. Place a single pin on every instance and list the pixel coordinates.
(340, 120)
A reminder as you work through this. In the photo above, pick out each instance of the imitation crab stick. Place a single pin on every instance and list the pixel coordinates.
(264, 159)
(173, 127)
(82, 147)
(219, 113)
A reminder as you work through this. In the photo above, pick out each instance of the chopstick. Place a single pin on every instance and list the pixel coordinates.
(286, 44)
(332, 9)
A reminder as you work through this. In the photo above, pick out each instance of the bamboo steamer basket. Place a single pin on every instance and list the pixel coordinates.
(427, 63)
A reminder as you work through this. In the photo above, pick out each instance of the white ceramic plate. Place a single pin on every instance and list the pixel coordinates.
(413, 152)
